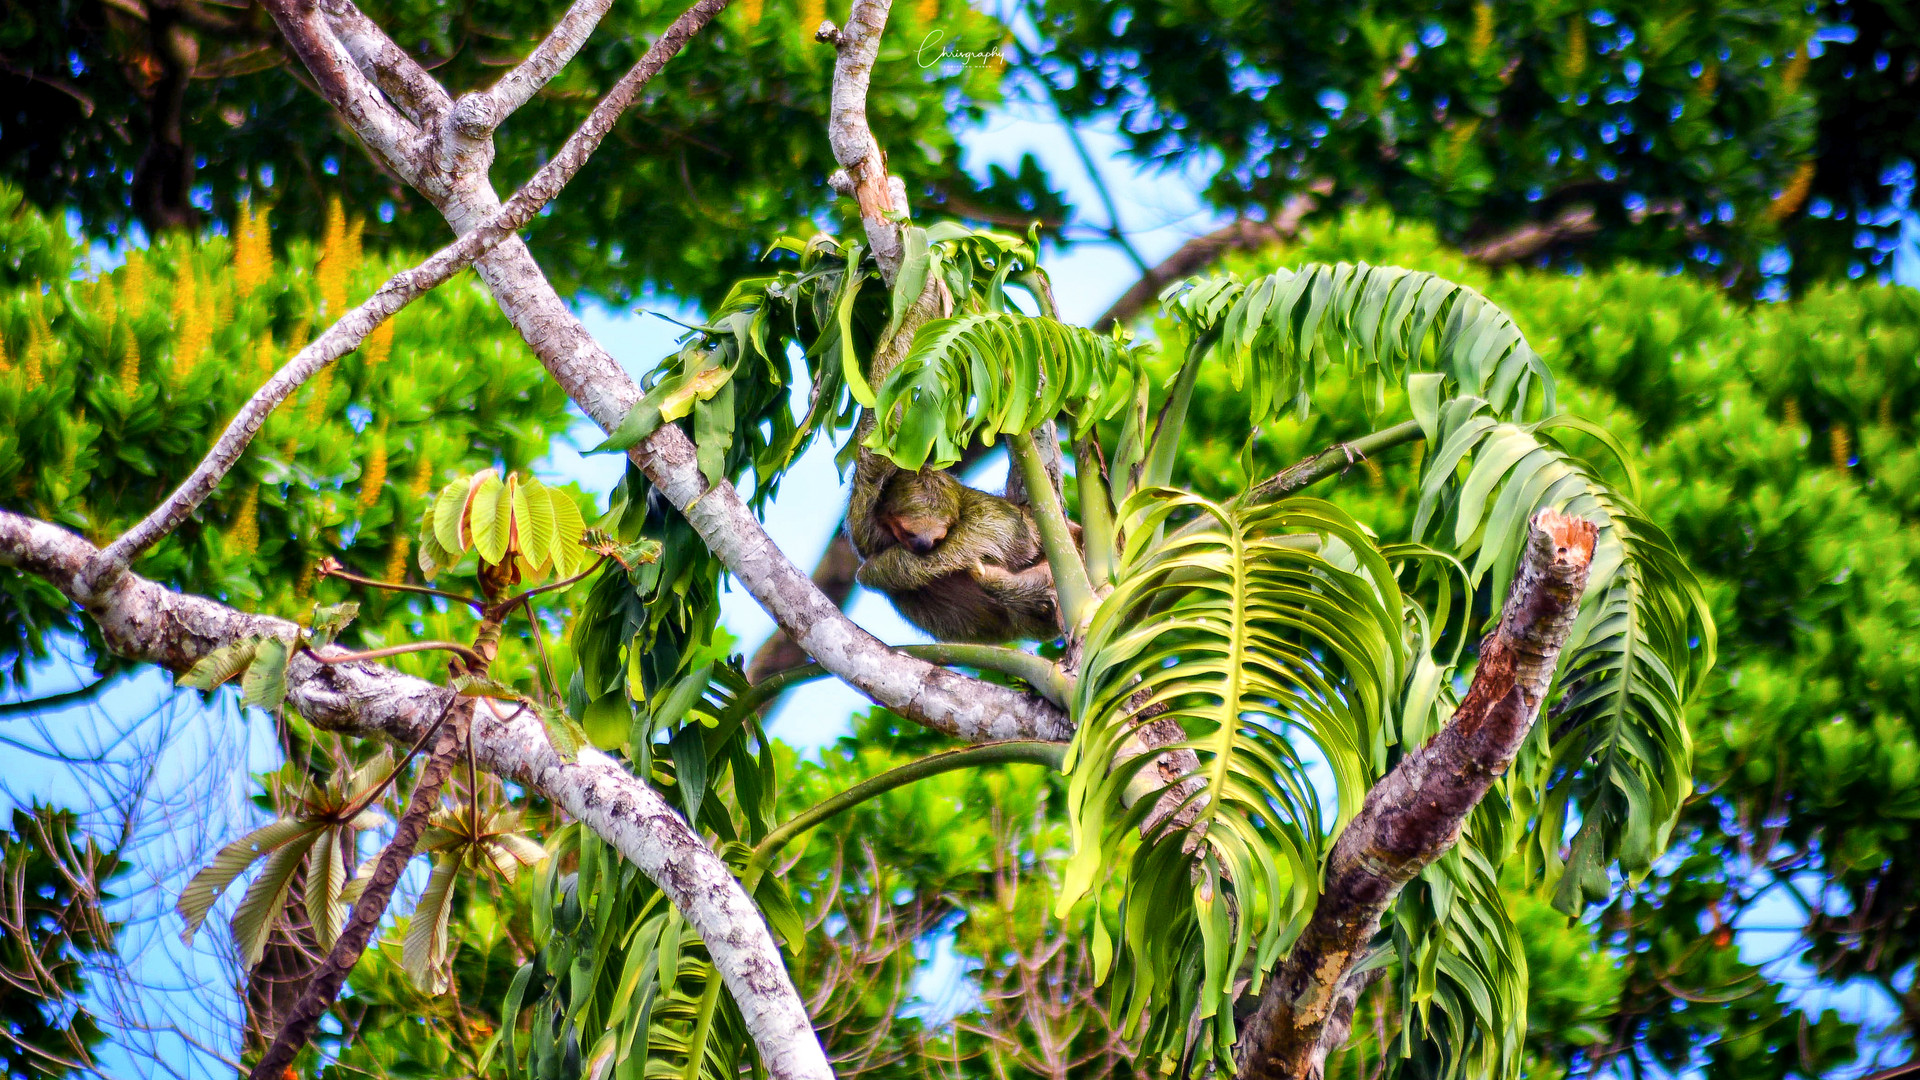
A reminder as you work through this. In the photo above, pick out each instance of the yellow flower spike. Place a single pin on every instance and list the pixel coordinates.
(6, 361)
(245, 533)
(39, 337)
(1480, 42)
(397, 558)
(339, 258)
(1709, 80)
(252, 250)
(422, 478)
(1793, 196)
(192, 325)
(1796, 70)
(928, 10)
(1790, 412)
(811, 12)
(750, 12)
(133, 291)
(375, 477)
(1574, 63)
(379, 344)
(1841, 444)
(130, 365)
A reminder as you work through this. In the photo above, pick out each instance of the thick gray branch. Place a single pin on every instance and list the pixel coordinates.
(518, 86)
(857, 46)
(389, 67)
(143, 621)
(388, 134)
(346, 335)
(1415, 814)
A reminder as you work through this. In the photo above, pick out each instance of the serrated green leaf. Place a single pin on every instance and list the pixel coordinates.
(489, 516)
(220, 665)
(230, 862)
(423, 954)
(267, 896)
(326, 876)
(265, 684)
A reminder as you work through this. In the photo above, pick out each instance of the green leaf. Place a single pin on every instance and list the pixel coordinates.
(489, 517)
(329, 620)
(220, 665)
(326, 876)
(265, 684)
(481, 686)
(568, 530)
(713, 435)
(538, 539)
(689, 749)
(229, 863)
(448, 510)
(423, 954)
(980, 376)
(562, 732)
(267, 896)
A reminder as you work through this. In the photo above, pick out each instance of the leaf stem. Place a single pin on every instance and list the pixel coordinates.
(506, 605)
(1334, 459)
(1097, 536)
(471, 657)
(702, 1025)
(331, 568)
(972, 757)
(1070, 582)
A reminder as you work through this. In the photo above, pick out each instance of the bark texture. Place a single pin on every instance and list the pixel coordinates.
(143, 621)
(1415, 814)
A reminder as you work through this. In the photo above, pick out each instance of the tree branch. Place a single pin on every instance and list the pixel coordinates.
(854, 147)
(946, 701)
(323, 986)
(1415, 814)
(389, 66)
(518, 86)
(141, 620)
(400, 290)
(388, 134)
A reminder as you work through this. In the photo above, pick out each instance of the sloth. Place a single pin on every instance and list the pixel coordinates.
(958, 563)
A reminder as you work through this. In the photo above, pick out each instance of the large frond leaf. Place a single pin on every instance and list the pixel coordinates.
(1281, 332)
(1277, 621)
(1618, 746)
(229, 863)
(423, 954)
(994, 373)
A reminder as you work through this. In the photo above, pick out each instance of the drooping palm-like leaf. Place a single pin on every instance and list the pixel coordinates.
(995, 373)
(1281, 619)
(1460, 957)
(1643, 641)
(1280, 333)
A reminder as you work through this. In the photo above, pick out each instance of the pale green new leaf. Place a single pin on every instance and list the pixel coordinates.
(423, 955)
(490, 516)
(536, 525)
(568, 531)
(229, 863)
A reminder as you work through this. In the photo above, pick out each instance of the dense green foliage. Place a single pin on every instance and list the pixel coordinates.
(112, 386)
(725, 146)
(1775, 444)
(1698, 134)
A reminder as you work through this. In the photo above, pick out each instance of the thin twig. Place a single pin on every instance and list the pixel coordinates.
(332, 568)
(464, 652)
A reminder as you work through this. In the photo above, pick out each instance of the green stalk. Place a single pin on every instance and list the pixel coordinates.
(1164, 448)
(1333, 460)
(1097, 535)
(702, 1025)
(1070, 582)
(972, 757)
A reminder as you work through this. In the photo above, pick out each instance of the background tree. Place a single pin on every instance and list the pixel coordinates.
(1674, 134)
